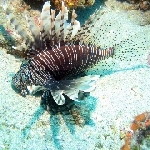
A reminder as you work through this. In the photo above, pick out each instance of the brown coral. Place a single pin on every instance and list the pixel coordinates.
(73, 3)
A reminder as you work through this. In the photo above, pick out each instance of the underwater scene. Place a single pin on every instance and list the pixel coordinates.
(75, 75)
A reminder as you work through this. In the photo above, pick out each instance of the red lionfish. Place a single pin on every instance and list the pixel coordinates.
(59, 56)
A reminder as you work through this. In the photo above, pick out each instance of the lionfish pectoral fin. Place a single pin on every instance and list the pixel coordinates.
(76, 95)
(58, 97)
(80, 88)
(77, 89)
(86, 84)
(33, 89)
(52, 84)
(82, 95)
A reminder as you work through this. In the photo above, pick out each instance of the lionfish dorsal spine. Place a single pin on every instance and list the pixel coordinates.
(70, 28)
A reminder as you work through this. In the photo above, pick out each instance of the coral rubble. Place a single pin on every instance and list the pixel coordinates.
(14, 17)
(140, 4)
(140, 125)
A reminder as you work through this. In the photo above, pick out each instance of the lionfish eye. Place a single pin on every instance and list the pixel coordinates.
(24, 77)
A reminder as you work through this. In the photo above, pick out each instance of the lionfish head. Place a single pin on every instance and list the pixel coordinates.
(21, 79)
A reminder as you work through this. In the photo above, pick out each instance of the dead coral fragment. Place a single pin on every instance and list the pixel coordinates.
(142, 4)
(17, 18)
(73, 3)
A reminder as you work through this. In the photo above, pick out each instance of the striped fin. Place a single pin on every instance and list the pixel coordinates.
(75, 25)
(71, 26)
(60, 20)
(41, 33)
(84, 33)
(45, 18)
(54, 30)
(57, 26)
(61, 34)
(58, 97)
(74, 89)
(64, 31)
(82, 83)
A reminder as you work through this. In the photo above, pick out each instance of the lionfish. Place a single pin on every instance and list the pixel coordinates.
(58, 56)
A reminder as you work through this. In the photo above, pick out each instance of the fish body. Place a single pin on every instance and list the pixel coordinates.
(52, 69)
(58, 57)
(69, 60)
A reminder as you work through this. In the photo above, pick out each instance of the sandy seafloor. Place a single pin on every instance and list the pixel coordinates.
(23, 125)
(118, 97)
